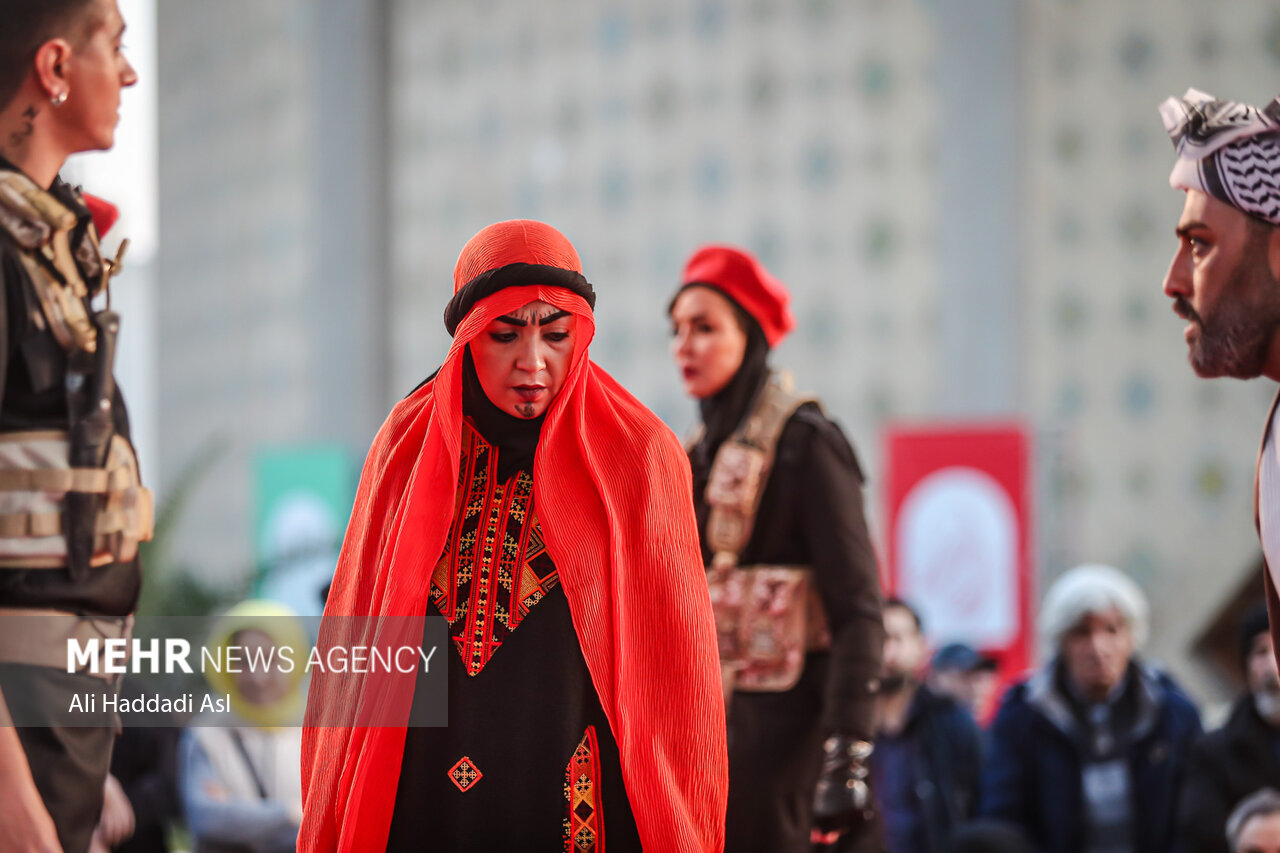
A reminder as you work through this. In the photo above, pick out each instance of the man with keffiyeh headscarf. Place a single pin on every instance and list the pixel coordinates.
(524, 496)
(1225, 275)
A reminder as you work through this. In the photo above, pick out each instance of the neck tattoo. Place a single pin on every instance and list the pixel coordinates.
(19, 137)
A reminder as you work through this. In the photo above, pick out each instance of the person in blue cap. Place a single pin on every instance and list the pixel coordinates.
(964, 674)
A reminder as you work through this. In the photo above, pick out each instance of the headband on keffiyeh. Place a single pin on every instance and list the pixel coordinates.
(1227, 150)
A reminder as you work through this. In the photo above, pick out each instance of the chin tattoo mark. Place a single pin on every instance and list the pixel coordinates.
(525, 410)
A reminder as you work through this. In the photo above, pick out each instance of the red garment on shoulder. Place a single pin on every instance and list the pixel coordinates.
(104, 213)
(613, 489)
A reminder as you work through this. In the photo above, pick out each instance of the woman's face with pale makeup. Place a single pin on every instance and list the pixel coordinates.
(522, 358)
(707, 341)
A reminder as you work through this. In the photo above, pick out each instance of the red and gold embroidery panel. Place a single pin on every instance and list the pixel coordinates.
(495, 567)
(584, 825)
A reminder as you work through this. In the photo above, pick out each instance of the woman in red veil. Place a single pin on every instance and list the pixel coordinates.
(527, 498)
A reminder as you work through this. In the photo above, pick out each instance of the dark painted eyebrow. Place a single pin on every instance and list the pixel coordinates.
(542, 321)
(1187, 227)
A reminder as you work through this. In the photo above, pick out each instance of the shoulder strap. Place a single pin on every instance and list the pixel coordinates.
(62, 308)
(248, 762)
(741, 468)
(29, 214)
(41, 227)
(778, 401)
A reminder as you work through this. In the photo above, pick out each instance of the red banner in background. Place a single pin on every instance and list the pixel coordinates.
(959, 536)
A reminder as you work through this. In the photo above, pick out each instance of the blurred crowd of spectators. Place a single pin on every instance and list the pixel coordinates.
(1096, 751)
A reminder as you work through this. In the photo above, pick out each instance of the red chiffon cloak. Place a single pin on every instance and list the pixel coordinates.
(613, 488)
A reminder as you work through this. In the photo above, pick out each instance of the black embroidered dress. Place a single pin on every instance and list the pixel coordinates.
(528, 761)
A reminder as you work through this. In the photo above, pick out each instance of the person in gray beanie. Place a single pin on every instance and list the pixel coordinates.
(1254, 826)
(1088, 753)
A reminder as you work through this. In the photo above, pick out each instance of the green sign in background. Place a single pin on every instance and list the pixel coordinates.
(303, 497)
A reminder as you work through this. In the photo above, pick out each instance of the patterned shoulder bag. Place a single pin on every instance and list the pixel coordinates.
(767, 616)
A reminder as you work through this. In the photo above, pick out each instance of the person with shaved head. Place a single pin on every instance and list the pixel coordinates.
(62, 424)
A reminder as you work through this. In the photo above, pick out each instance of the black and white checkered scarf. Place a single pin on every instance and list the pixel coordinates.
(1228, 150)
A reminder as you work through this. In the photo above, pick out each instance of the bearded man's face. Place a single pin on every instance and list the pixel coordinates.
(1220, 281)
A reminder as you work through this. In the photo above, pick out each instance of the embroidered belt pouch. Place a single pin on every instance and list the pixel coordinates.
(767, 618)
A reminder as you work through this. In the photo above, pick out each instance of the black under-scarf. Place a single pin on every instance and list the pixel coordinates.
(515, 438)
(724, 410)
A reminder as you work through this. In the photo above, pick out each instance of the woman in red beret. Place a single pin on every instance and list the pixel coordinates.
(526, 498)
(790, 564)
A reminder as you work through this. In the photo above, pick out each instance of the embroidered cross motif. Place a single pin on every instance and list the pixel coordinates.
(465, 774)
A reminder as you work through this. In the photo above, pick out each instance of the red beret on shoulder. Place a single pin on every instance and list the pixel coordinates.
(104, 213)
(744, 279)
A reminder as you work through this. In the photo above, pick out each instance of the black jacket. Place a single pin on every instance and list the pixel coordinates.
(1032, 773)
(1225, 766)
(811, 513)
(948, 761)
